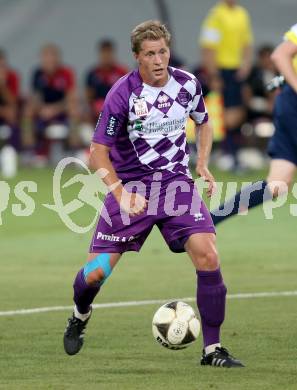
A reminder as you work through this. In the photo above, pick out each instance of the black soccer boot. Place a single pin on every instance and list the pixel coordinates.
(74, 334)
(220, 358)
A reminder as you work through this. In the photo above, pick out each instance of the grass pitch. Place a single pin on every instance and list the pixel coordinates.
(40, 256)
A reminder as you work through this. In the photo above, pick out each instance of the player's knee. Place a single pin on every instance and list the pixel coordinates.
(95, 276)
(211, 260)
(208, 260)
(98, 269)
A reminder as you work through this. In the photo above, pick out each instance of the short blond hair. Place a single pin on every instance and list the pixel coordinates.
(151, 30)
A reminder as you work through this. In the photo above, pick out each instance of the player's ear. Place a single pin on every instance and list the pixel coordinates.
(136, 56)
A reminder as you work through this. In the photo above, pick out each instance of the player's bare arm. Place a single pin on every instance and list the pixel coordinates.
(6, 94)
(32, 106)
(209, 60)
(247, 62)
(90, 94)
(204, 147)
(133, 204)
(72, 103)
(282, 58)
(8, 109)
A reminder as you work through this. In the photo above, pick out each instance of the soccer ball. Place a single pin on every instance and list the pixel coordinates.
(175, 325)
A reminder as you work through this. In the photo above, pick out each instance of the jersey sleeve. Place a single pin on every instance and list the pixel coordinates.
(199, 112)
(291, 35)
(113, 117)
(211, 34)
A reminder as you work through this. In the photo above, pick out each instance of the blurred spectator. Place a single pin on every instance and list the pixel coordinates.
(9, 104)
(102, 76)
(9, 101)
(258, 100)
(51, 114)
(226, 42)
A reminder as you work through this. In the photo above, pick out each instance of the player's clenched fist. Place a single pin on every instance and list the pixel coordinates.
(132, 203)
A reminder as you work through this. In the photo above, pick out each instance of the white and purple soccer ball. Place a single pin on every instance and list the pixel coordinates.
(175, 325)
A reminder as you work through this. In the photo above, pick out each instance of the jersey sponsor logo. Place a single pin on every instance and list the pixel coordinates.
(163, 101)
(167, 127)
(162, 127)
(138, 125)
(111, 126)
(183, 97)
(140, 106)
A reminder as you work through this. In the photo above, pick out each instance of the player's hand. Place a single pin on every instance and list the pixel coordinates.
(47, 112)
(203, 172)
(132, 203)
(243, 73)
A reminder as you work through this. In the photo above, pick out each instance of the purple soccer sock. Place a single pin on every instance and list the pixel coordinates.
(83, 293)
(211, 298)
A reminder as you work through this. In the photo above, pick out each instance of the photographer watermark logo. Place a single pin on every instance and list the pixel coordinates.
(89, 194)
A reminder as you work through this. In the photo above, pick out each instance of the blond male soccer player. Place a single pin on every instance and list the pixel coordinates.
(282, 147)
(226, 47)
(140, 141)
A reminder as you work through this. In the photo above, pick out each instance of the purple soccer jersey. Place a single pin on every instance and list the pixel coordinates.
(145, 125)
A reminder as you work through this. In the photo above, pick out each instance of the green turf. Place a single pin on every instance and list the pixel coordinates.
(39, 258)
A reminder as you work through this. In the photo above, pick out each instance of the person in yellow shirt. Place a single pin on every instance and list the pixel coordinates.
(226, 47)
(282, 147)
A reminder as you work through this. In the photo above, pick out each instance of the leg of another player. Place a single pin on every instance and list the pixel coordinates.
(280, 176)
(86, 286)
(233, 117)
(211, 298)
